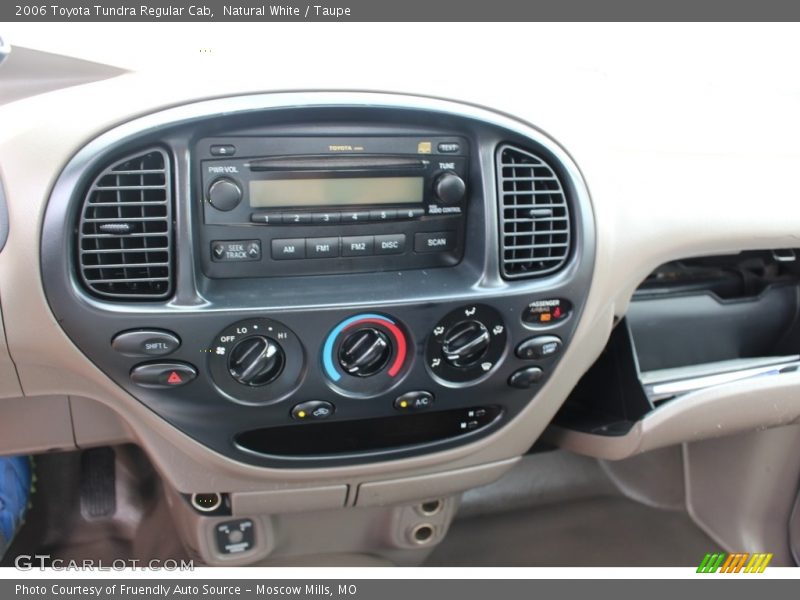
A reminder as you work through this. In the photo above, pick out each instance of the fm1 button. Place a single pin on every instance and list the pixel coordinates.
(525, 378)
(145, 342)
(234, 537)
(163, 375)
(539, 347)
(312, 410)
(414, 401)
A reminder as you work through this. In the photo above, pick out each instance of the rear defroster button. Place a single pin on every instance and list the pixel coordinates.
(163, 375)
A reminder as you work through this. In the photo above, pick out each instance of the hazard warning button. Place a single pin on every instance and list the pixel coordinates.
(163, 374)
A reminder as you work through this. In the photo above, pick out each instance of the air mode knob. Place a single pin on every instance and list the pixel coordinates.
(256, 361)
(365, 352)
(449, 188)
(224, 194)
(465, 343)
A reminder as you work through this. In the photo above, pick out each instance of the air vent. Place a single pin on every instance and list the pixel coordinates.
(125, 232)
(534, 217)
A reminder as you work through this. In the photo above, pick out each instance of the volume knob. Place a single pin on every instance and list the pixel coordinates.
(450, 188)
(224, 194)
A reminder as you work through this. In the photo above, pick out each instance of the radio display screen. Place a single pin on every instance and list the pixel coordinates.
(347, 191)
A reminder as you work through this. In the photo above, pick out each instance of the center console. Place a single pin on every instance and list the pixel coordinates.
(322, 284)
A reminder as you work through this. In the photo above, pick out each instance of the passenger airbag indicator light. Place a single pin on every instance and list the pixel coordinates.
(547, 312)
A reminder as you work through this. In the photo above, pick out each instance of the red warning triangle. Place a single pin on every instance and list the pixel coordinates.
(174, 378)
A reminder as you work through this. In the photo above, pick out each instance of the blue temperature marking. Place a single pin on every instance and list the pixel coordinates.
(327, 350)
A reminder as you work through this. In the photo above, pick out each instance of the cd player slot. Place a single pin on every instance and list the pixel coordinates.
(338, 163)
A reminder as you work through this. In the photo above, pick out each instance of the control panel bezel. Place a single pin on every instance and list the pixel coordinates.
(274, 229)
(203, 306)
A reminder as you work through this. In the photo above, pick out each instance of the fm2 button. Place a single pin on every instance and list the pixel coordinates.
(543, 346)
(313, 410)
(142, 343)
(163, 375)
(414, 401)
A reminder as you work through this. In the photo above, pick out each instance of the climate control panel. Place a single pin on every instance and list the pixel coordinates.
(310, 387)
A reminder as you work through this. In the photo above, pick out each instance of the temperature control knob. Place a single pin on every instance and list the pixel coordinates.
(465, 343)
(365, 352)
(449, 188)
(256, 361)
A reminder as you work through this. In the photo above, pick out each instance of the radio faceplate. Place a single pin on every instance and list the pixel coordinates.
(286, 205)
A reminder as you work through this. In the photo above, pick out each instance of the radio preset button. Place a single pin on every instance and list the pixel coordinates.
(295, 218)
(410, 213)
(390, 244)
(440, 241)
(355, 216)
(288, 249)
(386, 214)
(323, 218)
(362, 245)
(322, 247)
(268, 218)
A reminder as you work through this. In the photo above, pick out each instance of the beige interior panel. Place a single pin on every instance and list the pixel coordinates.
(395, 491)
(95, 424)
(9, 382)
(741, 490)
(709, 413)
(288, 500)
(35, 424)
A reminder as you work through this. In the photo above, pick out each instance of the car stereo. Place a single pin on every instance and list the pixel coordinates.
(276, 206)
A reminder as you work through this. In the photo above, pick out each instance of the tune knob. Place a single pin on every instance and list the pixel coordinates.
(256, 361)
(465, 343)
(224, 194)
(449, 188)
(365, 352)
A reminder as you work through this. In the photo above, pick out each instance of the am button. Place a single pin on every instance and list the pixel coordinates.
(288, 249)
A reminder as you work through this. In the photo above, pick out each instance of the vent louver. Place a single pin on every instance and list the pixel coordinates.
(534, 217)
(125, 230)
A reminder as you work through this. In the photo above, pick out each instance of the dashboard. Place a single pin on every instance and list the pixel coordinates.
(340, 286)
(337, 304)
